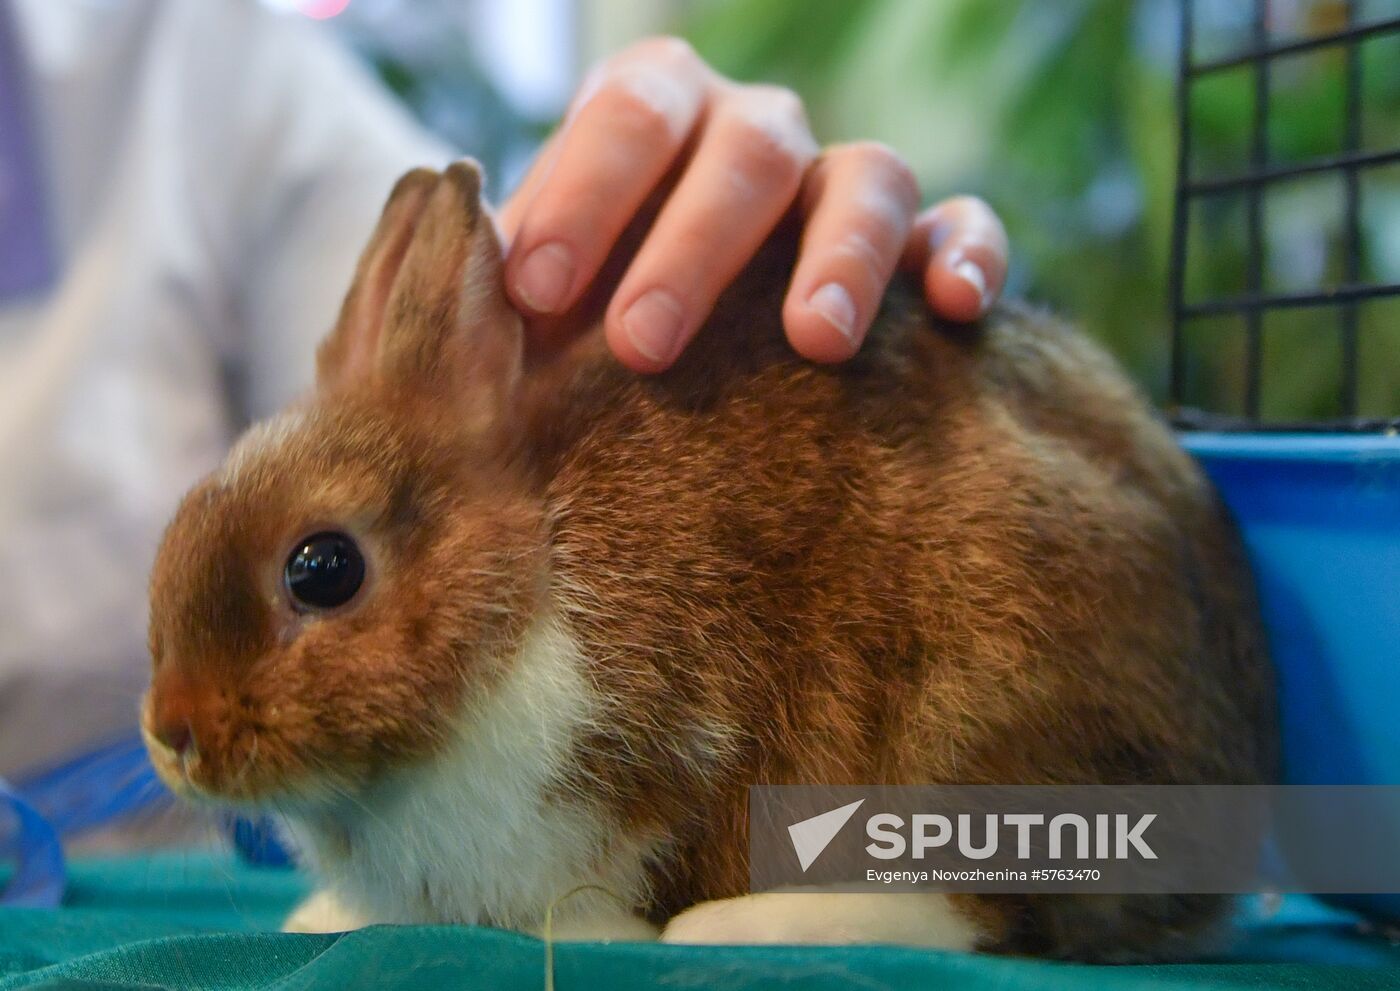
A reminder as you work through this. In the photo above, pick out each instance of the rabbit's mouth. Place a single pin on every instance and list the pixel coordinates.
(176, 764)
(179, 771)
(179, 761)
(245, 760)
(210, 761)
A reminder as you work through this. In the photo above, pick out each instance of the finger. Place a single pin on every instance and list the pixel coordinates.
(961, 248)
(512, 212)
(860, 201)
(745, 175)
(611, 154)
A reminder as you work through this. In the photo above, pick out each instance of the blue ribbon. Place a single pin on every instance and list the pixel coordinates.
(96, 787)
(93, 789)
(27, 839)
(256, 842)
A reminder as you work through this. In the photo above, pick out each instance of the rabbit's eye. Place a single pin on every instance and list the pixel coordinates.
(325, 570)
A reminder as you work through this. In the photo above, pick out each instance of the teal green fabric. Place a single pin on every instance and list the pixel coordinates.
(190, 921)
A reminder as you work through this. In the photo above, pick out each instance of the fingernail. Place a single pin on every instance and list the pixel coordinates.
(653, 325)
(834, 303)
(971, 273)
(545, 277)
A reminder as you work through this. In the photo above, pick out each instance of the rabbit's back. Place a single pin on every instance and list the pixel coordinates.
(970, 555)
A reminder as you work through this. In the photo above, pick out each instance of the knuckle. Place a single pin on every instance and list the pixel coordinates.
(627, 107)
(861, 248)
(966, 201)
(966, 207)
(780, 101)
(906, 184)
(875, 153)
(767, 147)
(882, 160)
(665, 48)
(761, 157)
(969, 221)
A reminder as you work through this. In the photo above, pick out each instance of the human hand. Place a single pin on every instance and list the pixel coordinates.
(745, 154)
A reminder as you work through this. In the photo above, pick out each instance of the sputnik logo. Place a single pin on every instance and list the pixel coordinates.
(811, 836)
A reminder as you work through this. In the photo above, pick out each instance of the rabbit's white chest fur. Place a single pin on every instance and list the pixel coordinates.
(487, 832)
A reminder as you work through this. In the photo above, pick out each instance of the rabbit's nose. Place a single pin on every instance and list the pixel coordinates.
(173, 704)
(177, 735)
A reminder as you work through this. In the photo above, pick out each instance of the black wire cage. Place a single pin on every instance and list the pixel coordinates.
(1355, 284)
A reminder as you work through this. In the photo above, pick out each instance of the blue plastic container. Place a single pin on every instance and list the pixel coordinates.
(1321, 519)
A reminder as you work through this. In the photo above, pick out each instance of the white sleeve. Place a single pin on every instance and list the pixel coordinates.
(290, 183)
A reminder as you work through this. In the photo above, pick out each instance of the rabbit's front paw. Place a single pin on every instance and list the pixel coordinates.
(322, 912)
(825, 918)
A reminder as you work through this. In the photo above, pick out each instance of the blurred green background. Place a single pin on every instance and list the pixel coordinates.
(1061, 113)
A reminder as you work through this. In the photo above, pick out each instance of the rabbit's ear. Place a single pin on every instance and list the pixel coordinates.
(350, 353)
(427, 310)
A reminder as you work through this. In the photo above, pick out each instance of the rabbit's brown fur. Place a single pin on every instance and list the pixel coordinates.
(973, 555)
(970, 555)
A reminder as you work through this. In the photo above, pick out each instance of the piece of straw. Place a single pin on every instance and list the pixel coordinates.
(549, 925)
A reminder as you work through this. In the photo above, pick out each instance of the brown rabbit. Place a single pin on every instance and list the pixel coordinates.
(485, 630)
